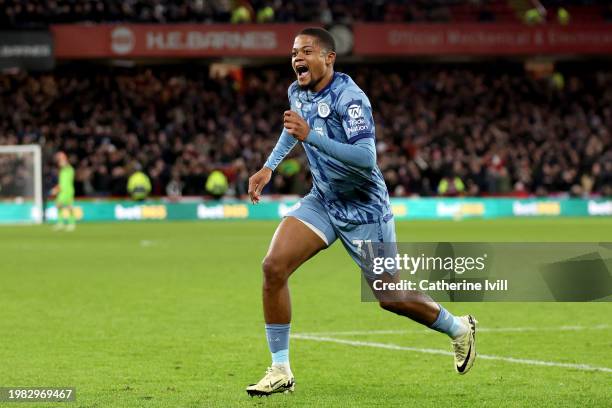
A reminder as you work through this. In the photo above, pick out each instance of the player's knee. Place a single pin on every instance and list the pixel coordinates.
(275, 272)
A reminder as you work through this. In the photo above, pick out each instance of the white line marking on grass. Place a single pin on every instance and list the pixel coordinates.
(581, 367)
(480, 330)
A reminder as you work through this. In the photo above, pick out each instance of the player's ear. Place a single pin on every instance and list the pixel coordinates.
(330, 58)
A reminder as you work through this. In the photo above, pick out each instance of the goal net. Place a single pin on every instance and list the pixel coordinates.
(21, 184)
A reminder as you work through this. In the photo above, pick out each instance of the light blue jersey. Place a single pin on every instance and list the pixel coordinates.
(349, 200)
(340, 150)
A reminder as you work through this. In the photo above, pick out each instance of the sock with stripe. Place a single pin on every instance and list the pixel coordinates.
(449, 324)
(278, 342)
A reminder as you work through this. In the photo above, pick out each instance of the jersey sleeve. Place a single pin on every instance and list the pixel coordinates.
(284, 145)
(361, 153)
(355, 113)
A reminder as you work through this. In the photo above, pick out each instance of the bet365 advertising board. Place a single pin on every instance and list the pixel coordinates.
(403, 209)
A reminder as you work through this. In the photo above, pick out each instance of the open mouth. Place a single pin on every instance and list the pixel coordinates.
(302, 71)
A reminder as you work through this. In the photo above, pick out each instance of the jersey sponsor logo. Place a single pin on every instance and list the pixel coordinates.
(358, 129)
(355, 122)
(323, 109)
(354, 111)
(356, 126)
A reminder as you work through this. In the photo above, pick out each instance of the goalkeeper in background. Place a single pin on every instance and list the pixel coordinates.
(64, 193)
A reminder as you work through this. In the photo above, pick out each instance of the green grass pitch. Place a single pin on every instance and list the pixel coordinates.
(169, 315)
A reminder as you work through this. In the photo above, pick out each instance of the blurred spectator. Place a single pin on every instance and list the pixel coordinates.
(535, 16)
(563, 16)
(451, 186)
(139, 184)
(242, 13)
(265, 14)
(216, 184)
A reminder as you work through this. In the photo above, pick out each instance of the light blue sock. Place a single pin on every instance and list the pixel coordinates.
(278, 342)
(449, 324)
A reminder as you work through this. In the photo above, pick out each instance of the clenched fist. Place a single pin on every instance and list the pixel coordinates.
(295, 125)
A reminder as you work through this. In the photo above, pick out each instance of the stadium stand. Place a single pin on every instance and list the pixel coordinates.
(500, 131)
(39, 13)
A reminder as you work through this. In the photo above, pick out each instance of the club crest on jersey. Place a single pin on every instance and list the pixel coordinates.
(298, 104)
(354, 111)
(323, 109)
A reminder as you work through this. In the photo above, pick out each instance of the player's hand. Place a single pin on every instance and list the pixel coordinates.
(257, 182)
(295, 125)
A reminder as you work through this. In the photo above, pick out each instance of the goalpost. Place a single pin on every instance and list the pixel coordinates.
(21, 195)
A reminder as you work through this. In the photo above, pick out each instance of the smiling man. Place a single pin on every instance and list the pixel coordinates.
(332, 118)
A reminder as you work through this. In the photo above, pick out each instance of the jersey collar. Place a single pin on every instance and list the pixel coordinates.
(314, 95)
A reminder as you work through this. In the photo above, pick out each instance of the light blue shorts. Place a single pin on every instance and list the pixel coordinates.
(354, 237)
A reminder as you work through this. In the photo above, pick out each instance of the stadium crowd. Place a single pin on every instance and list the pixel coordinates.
(40, 13)
(464, 129)
(21, 13)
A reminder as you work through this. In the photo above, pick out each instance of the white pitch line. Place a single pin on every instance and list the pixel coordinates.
(480, 329)
(581, 367)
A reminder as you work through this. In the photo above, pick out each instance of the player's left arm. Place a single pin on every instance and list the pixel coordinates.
(58, 187)
(361, 153)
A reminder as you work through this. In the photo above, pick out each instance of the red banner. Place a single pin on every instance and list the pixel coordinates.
(481, 39)
(180, 40)
(269, 40)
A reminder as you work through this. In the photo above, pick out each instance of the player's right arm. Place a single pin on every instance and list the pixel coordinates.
(285, 143)
(258, 181)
